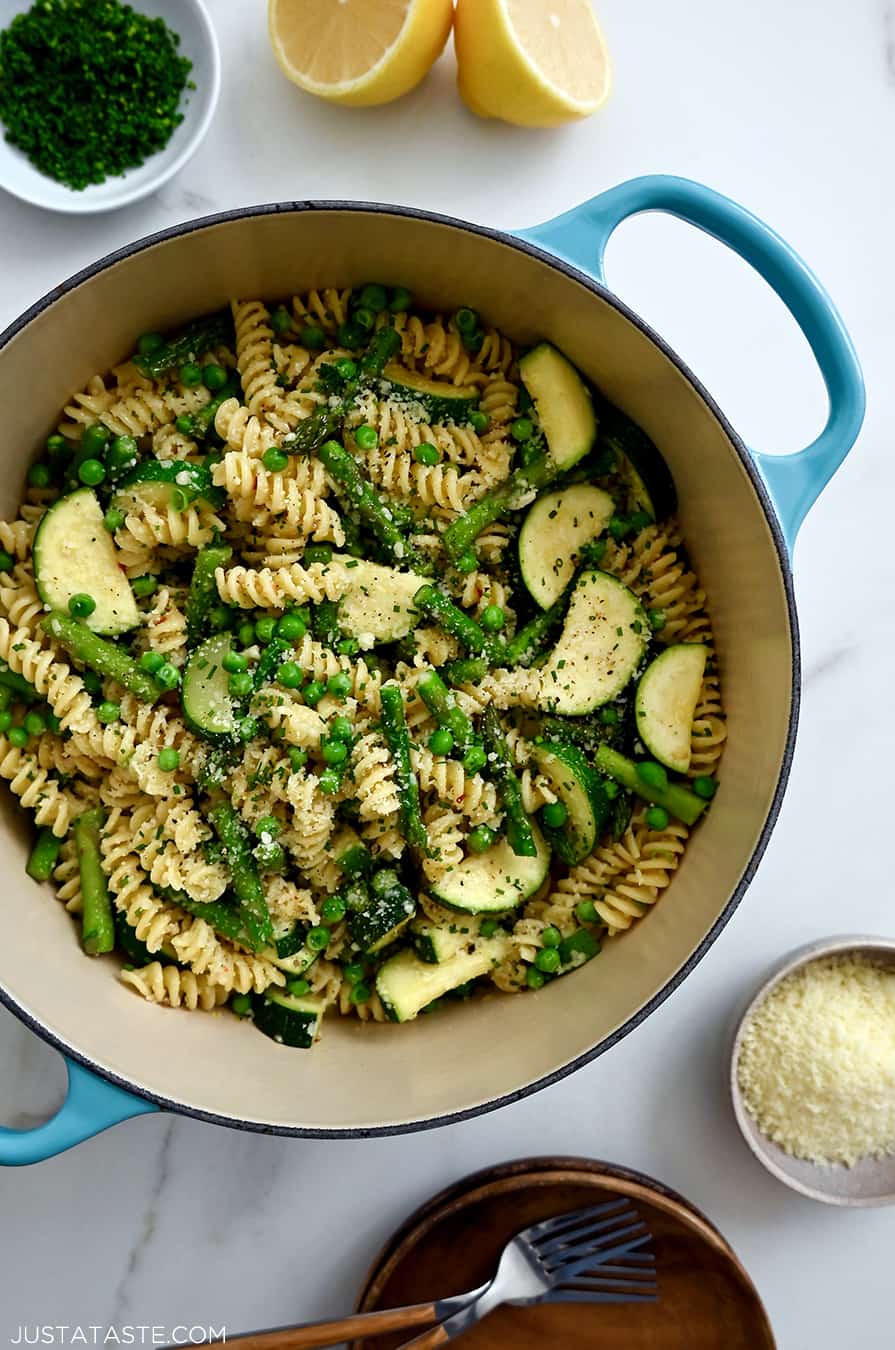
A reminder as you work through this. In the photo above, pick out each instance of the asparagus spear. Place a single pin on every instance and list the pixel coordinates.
(459, 537)
(97, 922)
(203, 594)
(17, 684)
(44, 856)
(453, 620)
(199, 337)
(525, 646)
(680, 801)
(223, 918)
(363, 498)
(101, 655)
(394, 728)
(519, 833)
(468, 670)
(198, 424)
(326, 423)
(253, 911)
(441, 702)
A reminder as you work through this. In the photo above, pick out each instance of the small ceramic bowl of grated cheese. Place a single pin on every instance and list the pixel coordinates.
(812, 1074)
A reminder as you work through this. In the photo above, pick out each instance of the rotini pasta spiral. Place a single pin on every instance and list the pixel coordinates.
(446, 779)
(222, 963)
(52, 805)
(275, 588)
(147, 526)
(245, 480)
(374, 778)
(175, 988)
(53, 679)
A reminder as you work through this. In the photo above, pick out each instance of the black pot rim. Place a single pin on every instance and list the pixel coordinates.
(529, 1089)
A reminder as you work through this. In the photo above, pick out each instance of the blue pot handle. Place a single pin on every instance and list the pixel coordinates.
(91, 1105)
(580, 237)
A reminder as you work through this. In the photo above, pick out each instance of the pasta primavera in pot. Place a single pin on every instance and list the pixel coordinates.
(351, 659)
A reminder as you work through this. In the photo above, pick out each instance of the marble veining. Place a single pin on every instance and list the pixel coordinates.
(788, 108)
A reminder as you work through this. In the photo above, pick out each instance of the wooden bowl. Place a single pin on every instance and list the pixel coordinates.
(706, 1299)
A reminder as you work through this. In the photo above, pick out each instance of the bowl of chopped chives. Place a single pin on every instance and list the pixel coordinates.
(100, 102)
(812, 1075)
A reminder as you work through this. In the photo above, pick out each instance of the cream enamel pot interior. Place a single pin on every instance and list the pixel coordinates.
(127, 1057)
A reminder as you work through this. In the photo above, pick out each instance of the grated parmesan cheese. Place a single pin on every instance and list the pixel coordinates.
(817, 1062)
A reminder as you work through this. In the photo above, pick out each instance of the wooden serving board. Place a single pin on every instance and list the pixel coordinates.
(706, 1299)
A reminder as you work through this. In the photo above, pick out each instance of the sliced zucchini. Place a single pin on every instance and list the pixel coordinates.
(380, 912)
(406, 985)
(289, 1020)
(581, 792)
(647, 478)
(436, 942)
(289, 937)
(166, 483)
(205, 691)
(378, 603)
(495, 881)
(553, 534)
(564, 405)
(73, 555)
(295, 964)
(441, 402)
(678, 800)
(666, 701)
(601, 645)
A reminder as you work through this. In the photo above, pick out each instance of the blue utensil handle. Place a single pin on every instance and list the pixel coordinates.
(91, 1105)
(580, 237)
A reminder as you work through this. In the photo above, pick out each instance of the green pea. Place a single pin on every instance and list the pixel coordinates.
(56, 445)
(339, 685)
(333, 909)
(704, 787)
(40, 475)
(354, 972)
(91, 472)
(657, 619)
(241, 684)
(270, 856)
(348, 647)
(150, 343)
(214, 377)
(18, 737)
(534, 978)
(169, 760)
(168, 675)
(334, 752)
(441, 742)
(265, 627)
(492, 618)
(185, 424)
(289, 675)
(280, 320)
(657, 818)
(7, 561)
(360, 993)
(652, 774)
(35, 723)
(401, 300)
(318, 938)
(123, 452)
(318, 553)
(466, 319)
(144, 586)
(479, 421)
(298, 988)
(548, 961)
(5, 720)
(108, 712)
(248, 728)
(298, 757)
(488, 927)
(314, 692)
(373, 296)
(274, 460)
(220, 618)
(481, 838)
(312, 338)
(364, 319)
(94, 439)
(427, 454)
(151, 662)
(330, 781)
(522, 429)
(241, 1004)
(245, 634)
(555, 815)
(366, 437)
(291, 627)
(81, 606)
(586, 912)
(609, 717)
(113, 520)
(346, 367)
(190, 374)
(467, 562)
(475, 759)
(234, 662)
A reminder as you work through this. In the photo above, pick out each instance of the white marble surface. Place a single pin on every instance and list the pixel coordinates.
(791, 109)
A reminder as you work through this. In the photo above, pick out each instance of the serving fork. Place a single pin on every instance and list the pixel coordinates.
(592, 1255)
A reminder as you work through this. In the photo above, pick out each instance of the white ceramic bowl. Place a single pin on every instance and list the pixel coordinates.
(198, 42)
(872, 1180)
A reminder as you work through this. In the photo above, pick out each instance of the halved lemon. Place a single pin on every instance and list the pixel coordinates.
(537, 63)
(358, 52)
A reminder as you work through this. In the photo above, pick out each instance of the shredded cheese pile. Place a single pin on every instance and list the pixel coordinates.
(817, 1062)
